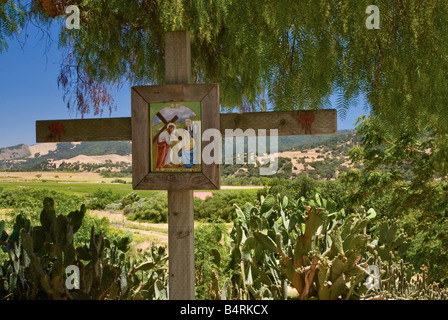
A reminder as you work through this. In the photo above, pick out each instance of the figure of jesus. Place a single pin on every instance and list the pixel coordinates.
(164, 144)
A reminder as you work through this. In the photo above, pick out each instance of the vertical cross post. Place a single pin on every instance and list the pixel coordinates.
(180, 202)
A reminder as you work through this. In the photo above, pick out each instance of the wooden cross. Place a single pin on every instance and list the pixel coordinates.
(180, 202)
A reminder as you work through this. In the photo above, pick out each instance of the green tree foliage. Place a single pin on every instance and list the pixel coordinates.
(302, 186)
(305, 186)
(211, 257)
(405, 176)
(68, 150)
(221, 205)
(293, 53)
(12, 20)
(27, 201)
(411, 169)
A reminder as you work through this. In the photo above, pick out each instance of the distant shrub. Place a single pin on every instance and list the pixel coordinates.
(129, 212)
(100, 199)
(32, 198)
(116, 206)
(129, 199)
(154, 209)
(119, 181)
(221, 205)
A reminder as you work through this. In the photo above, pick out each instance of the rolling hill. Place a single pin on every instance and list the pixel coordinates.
(322, 157)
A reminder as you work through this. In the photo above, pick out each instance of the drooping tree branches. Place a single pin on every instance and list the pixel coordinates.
(12, 19)
(296, 53)
(411, 171)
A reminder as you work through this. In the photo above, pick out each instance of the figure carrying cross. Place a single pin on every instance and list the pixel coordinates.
(163, 140)
(164, 144)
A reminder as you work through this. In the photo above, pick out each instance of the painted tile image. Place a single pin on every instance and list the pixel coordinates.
(176, 137)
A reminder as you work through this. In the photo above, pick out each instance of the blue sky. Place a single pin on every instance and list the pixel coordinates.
(29, 90)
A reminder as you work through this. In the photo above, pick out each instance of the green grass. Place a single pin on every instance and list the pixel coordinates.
(78, 188)
(85, 188)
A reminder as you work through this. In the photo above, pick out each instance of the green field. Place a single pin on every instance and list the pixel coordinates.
(120, 189)
(79, 188)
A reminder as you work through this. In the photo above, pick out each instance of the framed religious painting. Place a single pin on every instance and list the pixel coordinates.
(175, 132)
(168, 125)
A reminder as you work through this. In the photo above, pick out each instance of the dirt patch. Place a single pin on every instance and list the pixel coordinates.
(149, 231)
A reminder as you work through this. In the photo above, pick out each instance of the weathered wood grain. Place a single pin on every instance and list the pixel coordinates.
(102, 129)
(181, 245)
(287, 122)
(180, 186)
(180, 202)
(141, 138)
(175, 181)
(174, 92)
(177, 57)
(210, 119)
(119, 129)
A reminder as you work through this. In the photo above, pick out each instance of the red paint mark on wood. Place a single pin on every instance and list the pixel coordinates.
(306, 121)
(56, 131)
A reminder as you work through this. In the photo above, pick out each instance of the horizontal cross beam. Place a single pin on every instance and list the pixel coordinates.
(119, 129)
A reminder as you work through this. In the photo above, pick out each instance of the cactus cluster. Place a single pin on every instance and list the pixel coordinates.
(39, 256)
(302, 244)
(390, 243)
(314, 248)
(401, 281)
(275, 246)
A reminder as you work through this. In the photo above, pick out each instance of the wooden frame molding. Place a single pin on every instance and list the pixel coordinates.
(141, 98)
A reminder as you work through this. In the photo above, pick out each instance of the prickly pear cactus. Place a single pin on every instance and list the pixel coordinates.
(39, 256)
(307, 245)
(391, 243)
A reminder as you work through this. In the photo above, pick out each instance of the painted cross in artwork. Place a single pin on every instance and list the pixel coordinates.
(176, 136)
